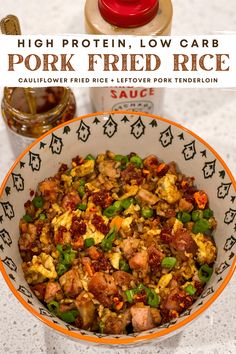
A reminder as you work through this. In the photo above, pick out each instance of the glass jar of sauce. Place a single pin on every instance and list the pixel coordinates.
(128, 17)
(50, 106)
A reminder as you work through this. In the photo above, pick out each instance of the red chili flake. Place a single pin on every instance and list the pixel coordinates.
(31, 193)
(198, 285)
(103, 264)
(27, 204)
(155, 258)
(63, 168)
(100, 225)
(78, 160)
(102, 198)
(140, 297)
(162, 169)
(78, 227)
(132, 173)
(151, 162)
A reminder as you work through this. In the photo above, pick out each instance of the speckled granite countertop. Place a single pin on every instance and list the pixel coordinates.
(209, 113)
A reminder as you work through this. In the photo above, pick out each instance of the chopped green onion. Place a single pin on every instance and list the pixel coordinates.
(137, 161)
(61, 269)
(168, 262)
(207, 213)
(123, 265)
(197, 215)
(121, 158)
(127, 202)
(81, 191)
(107, 242)
(153, 299)
(118, 205)
(110, 211)
(69, 316)
(82, 182)
(53, 307)
(201, 226)
(38, 202)
(27, 218)
(205, 273)
(82, 207)
(67, 255)
(42, 217)
(183, 216)
(130, 295)
(147, 212)
(190, 289)
(90, 157)
(89, 242)
(101, 326)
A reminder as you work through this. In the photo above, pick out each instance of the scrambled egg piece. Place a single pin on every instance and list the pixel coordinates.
(125, 226)
(56, 207)
(84, 169)
(164, 281)
(132, 209)
(206, 250)
(45, 235)
(67, 179)
(115, 260)
(91, 187)
(188, 269)
(65, 219)
(177, 225)
(167, 189)
(41, 268)
(131, 191)
(93, 233)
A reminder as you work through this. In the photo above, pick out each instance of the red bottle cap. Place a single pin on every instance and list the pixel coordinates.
(128, 13)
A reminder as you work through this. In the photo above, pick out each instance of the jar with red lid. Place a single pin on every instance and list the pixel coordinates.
(128, 17)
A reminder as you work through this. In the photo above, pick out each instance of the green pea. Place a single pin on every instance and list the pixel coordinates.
(69, 316)
(27, 218)
(53, 307)
(38, 202)
(127, 202)
(207, 213)
(197, 214)
(201, 226)
(118, 205)
(137, 161)
(147, 212)
(183, 216)
(121, 158)
(123, 265)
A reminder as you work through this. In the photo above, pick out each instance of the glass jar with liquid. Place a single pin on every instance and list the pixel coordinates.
(128, 17)
(27, 118)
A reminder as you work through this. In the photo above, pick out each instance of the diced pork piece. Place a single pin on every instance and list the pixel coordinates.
(185, 205)
(147, 197)
(178, 300)
(130, 246)
(142, 318)
(123, 278)
(52, 290)
(70, 200)
(108, 169)
(93, 253)
(183, 242)
(103, 287)
(154, 257)
(39, 290)
(139, 262)
(26, 239)
(86, 309)
(49, 189)
(117, 324)
(71, 283)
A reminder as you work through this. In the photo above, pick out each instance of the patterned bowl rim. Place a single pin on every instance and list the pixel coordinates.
(117, 341)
